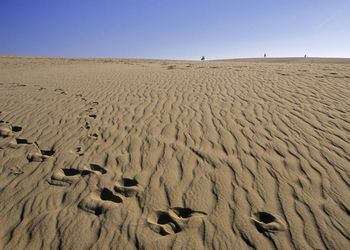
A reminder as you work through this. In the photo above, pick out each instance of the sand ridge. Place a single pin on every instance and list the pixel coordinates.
(158, 154)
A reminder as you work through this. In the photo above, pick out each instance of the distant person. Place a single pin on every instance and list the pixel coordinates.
(305, 56)
(203, 58)
(264, 55)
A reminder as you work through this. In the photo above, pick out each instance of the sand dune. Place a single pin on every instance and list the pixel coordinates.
(159, 154)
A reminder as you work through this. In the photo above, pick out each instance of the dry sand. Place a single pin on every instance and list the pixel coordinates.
(157, 154)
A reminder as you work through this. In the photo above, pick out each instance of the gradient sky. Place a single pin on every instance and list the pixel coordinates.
(175, 29)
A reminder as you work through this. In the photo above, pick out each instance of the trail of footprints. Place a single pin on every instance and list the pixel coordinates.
(102, 199)
(173, 220)
(11, 131)
(169, 222)
(85, 119)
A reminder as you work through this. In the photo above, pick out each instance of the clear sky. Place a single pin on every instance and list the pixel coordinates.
(175, 29)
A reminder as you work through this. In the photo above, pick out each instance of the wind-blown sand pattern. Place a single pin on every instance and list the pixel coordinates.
(157, 154)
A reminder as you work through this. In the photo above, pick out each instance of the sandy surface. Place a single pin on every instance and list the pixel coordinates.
(156, 154)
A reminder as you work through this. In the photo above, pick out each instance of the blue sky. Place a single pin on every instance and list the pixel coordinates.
(175, 29)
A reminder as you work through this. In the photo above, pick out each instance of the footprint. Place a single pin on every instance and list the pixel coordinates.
(73, 172)
(61, 91)
(67, 176)
(173, 220)
(47, 153)
(266, 222)
(128, 187)
(78, 150)
(87, 126)
(99, 202)
(36, 157)
(107, 195)
(162, 223)
(185, 213)
(93, 103)
(16, 171)
(99, 169)
(22, 141)
(93, 136)
(16, 128)
(5, 132)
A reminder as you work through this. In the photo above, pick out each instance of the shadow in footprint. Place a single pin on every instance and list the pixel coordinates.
(99, 202)
(129, 182)
(22, 141)
(128, 187)
(266, 222)
(107, 195)
(47, 152)
(186, 212)
(98, 168)
(78, 150)
(162, 223)
(93, 136)
(16, 128)
(165, 219)
(72, 172)
(67, 176)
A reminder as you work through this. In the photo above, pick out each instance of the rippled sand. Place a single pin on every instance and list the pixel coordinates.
(159, 154)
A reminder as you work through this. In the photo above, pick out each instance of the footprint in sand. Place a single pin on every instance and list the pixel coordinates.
(78, 150)
(99, 201)
(162, 223)
(87, 125)
(266, 222)
(17, 84)
(172, 221)
(67, 176)
(97, 169)
(93, 136)
(61, 91)
(5, 132)
(41, 155)
(128, 187)
(185, 213)
(37, 157)
(93, 103)
(20, 141)
(16, 128)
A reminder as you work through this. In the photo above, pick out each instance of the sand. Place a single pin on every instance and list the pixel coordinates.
(160, 154)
